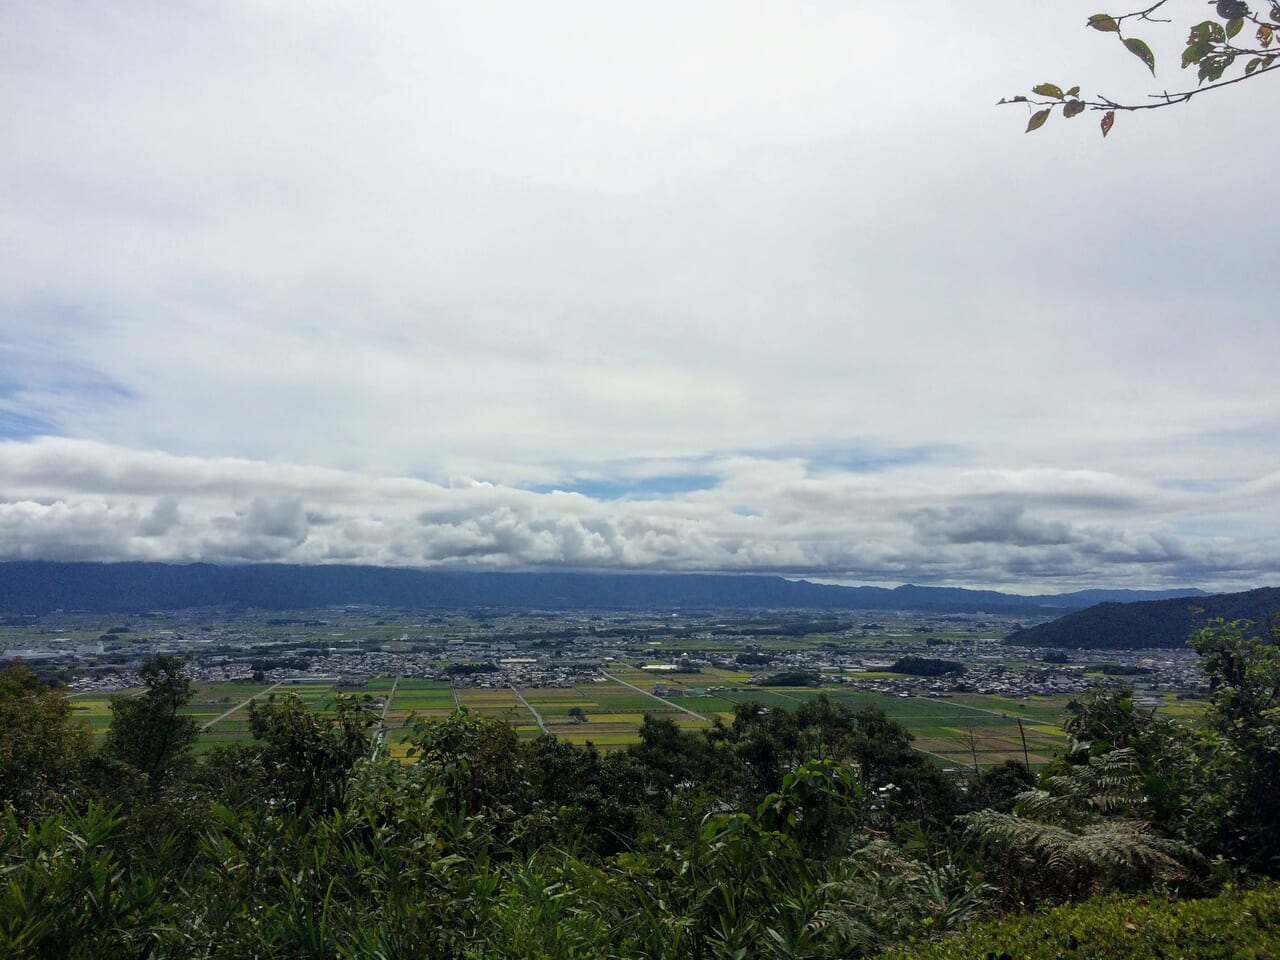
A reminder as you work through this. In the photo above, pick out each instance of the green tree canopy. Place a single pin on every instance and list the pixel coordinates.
(148, 732)
(43, 748)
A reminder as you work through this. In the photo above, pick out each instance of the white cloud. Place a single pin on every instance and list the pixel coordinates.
(938, 523)
(304, 271)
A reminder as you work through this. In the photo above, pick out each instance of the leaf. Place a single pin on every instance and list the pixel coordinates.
(1252, 65)
(1037, 120)
(1264, 35)
(1048, 90)
(1072, 108)
(1142, 52)
(1104, 22)
(1073, 92)
(1108, 120)
(1196, 51)
(1234, 26)
(1212, 68)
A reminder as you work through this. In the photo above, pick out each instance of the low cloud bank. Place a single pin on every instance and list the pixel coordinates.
(926, 523)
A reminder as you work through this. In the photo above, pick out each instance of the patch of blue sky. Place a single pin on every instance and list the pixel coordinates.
(1201, 485)
(35, 388)
(633, 488)
(1212, 528)
(868, 460)
(15, 425)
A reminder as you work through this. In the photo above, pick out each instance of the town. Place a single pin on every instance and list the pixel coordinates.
(484, 648)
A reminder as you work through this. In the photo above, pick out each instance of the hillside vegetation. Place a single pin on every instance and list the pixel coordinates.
(1150, 623)
(1236, 925)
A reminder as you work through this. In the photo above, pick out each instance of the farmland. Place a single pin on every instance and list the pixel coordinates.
(606, 712)
(593, 677)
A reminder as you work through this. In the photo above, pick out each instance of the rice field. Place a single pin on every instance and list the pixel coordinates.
(955, 730)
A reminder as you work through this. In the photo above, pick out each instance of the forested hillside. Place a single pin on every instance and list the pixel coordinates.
(1152, 623)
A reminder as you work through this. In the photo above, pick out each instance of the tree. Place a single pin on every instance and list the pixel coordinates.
(1240, 773)
(1218, 47)
(307, 757)
(577, 714)
(43, 748)
(477, 761)
(1084, 832)
(1105, 718)
(148, 732)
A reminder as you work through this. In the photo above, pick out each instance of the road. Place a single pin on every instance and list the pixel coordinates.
(238, 706)
(536, 715)
(666, 703)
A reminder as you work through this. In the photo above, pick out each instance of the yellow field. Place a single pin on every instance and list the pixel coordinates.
(614, 718)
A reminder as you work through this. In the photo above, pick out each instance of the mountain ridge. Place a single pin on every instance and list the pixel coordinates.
(34, 587)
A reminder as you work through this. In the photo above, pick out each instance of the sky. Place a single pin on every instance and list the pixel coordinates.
(730, 286)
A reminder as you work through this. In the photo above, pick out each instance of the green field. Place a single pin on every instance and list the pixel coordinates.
(954, 730)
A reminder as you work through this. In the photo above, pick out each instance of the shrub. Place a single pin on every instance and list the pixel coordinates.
(1236, 925)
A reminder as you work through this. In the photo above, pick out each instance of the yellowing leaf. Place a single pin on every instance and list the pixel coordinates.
(1048, 90)
(1104, 22)
(1037, 120)
(1073, 92)
(1142, 52)
(1108, 120)
(1264, 35)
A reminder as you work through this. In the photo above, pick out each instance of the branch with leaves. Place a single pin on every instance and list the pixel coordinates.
(1214, 47)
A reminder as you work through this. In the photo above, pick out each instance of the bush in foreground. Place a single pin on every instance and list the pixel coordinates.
(1236, 925)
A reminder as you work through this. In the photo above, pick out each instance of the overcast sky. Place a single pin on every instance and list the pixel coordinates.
(748, 287)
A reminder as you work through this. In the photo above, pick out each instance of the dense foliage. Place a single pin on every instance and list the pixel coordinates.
(926, 666)
(818, 832)
(1237, 925)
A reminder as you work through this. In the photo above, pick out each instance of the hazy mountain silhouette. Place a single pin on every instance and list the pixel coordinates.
(37, 587)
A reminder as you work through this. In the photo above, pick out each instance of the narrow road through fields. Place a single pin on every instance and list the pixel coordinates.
(223, 716)
(653, 696)
(380, 735)
(536, 715)
(386, 704)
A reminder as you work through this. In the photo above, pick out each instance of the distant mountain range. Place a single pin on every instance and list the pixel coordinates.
(1158, 623)
(38, 587)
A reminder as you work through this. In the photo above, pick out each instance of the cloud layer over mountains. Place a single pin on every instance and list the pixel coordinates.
(923, 522)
